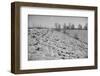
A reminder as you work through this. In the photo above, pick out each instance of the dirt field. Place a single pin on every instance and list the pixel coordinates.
(48, 44)
(82, 34)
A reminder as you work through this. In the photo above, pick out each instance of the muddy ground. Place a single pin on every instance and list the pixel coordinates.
(48, 44)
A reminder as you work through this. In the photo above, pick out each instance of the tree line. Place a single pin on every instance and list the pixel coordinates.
(70, 27)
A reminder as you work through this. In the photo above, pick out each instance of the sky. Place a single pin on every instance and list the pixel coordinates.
(49, 21)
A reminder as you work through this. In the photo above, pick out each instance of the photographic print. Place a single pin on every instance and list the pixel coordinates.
(57, 37)
(52, 37)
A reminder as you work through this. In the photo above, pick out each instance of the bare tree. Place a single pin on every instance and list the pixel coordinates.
(79, 27)
(64, 28)
(58, 26)
(72, 27)
(69, 26)
(85, 27)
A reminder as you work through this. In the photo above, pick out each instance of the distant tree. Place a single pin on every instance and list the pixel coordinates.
(85, 27)
(72, 27)
(79, 27)
(38, 26)
(57, 26)
(69, 26)
(64, 28)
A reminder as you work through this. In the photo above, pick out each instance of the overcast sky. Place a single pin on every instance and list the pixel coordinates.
(49, 21)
